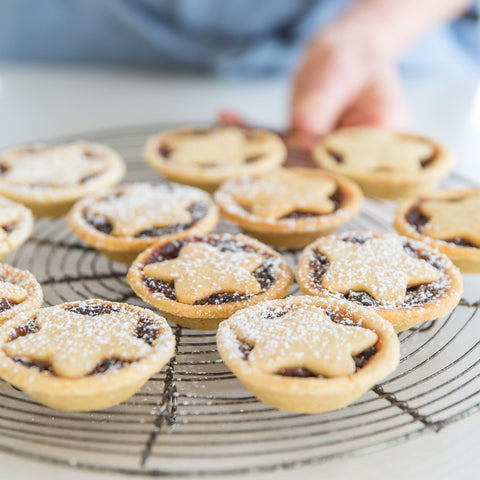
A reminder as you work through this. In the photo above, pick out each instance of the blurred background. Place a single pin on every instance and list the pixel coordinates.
(311, 66)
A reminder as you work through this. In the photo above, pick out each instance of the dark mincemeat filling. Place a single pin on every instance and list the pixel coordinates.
(338, 157)
(3, 169)
(417, 219)
(146, 329)
(6, 304)
(418, 295)
(197, 210)
(87, 178)
(263, 274)
(93, 309)
(9, 228)
(360, 360)
(425, 162)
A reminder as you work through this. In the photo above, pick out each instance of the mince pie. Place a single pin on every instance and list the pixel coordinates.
(384, 163)
(50, 179)
(206, 157)
(289, 207)
(199, 280)
(449, 220)
(16, 224)
(84, 355)
(306, 354)
(125, 220)
(19, 292)
(405, 281)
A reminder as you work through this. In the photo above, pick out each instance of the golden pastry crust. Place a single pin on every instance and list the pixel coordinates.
(16, 224)
(116, 348)
(404, 281)
(19, 292)
(384, 163)
(447, 219)
(270, 346)
(289, 207)
(130, 211)
(49, 180)
(206, 157)
(200, 280)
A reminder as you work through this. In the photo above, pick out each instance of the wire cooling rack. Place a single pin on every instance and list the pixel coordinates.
(194, 417)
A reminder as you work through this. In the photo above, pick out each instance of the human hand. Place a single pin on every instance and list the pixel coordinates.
(347, 78)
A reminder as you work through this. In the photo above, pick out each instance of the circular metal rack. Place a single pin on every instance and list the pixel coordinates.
(194, 417)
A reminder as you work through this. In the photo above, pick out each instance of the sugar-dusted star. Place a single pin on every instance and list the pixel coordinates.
(12, 292)
(374, 149)
(74, 344)
(305, 337)
(202, 270)
(380, 266)
(56, 166)
(224, 147)
(285, 192)
(453, 219)
(142, 207)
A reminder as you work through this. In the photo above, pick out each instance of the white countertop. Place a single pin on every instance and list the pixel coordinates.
(41, 102)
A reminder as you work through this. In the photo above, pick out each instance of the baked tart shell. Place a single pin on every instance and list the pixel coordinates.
(314, 394)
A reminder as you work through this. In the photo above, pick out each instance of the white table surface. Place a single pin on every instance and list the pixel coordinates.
(40, 102)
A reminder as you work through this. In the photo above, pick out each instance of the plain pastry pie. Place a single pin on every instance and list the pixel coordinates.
(405, 281)
(384, 163)
(125, 220)
(289, 207)
(84, 355)
(16, 223)
(19, 292)
(200, 280)
(306, 354)
(449, 220)
(50, 179)
(206, 157)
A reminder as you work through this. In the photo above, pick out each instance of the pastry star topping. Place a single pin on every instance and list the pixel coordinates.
(221, 148)
(285, 192)
(380, 266)
(453, 218)
(74, 344)
(142, 207)
(59, 166)
(12, 292)
(373, 149)
(202, 270)
(305, 337)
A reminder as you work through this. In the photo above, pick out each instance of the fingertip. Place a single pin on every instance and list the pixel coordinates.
(229, 117)
(309, 123)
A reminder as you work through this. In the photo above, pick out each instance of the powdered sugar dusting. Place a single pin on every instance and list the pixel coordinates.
(202, 270)
(20, 287)
(283, 192)
(287, 335)
(60, 166)
(141, 206)
(74, 344)
(12, 292)
(393, 270)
